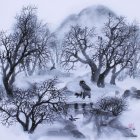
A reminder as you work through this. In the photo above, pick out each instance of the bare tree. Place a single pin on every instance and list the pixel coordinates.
(113, 105)
(39, 59)
(42, 102)
(18, 47)
(130, 60)
(78, 47)
(133, 68)
(103, 53)
(132, 51)
(115, 47)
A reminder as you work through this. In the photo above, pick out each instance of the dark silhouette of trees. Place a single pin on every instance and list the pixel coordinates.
(39, 59)
(42, 102)
(116, 46)
(113, 105)
(25, 45)
(77, 47)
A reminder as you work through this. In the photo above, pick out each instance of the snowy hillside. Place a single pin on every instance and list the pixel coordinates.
(43, 132)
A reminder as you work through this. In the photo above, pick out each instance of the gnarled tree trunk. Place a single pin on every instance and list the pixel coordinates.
(115, 75)
(8, 80)
(95, 72)
(102, 76)
(7, 86)
(113, 79)
(94, 75)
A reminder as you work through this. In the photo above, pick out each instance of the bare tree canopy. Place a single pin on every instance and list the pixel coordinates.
(42, 102)
(77, 47)
(115, 46)
(27, 44)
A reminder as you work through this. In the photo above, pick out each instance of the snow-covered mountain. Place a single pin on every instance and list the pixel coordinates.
(94, 16)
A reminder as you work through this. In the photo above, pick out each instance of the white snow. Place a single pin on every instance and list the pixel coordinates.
(131, 116)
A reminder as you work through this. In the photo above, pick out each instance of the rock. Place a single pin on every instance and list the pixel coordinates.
(77, 134)
(133, 92)
(126, 93)
(133, 89)
(126, 132)
(137, 94)
(72, 130)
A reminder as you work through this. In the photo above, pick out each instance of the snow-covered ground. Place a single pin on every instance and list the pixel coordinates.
(71, 81)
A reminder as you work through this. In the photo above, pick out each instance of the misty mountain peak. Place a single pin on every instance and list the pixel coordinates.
(93, 16)
(99, 10)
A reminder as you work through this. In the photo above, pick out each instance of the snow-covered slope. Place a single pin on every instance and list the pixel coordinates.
(130, 116)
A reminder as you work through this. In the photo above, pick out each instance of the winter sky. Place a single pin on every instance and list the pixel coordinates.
(54, 11)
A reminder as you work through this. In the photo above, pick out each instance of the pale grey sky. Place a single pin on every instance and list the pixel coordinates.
(54, 11)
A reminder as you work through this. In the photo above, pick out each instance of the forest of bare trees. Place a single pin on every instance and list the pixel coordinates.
(114, 49)
(32, 47)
